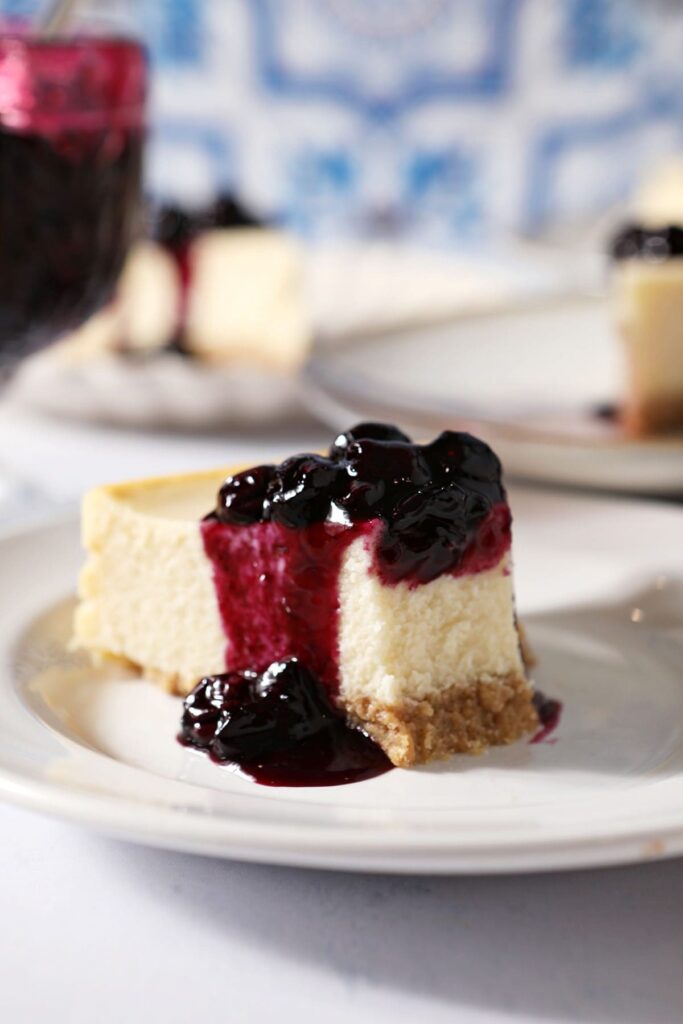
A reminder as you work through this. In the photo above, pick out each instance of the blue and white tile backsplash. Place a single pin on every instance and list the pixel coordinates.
(446, 119)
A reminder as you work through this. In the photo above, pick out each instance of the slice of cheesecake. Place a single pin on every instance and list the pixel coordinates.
(383, 568)
(648, 302)
(213, 285)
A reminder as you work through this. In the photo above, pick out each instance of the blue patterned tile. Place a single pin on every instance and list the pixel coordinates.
(420, 81)
(19, 8)
(174, 30)
(444, 185)
(559, 142)
(603, 34)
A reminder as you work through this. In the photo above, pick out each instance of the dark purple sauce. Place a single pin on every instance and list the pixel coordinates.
(549, 713)
(279, 728)
(71, 130)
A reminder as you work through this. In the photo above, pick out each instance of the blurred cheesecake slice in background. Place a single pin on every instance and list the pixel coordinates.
(212, 285)
(648, 299)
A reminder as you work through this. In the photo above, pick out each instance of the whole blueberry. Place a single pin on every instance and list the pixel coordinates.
(242, 499)
(228, 212)
(174, 227)
(454, 454)
(368, 432)
(380, 473)
(284, 706)
(203, 708)
(302, 490)
(427, 534)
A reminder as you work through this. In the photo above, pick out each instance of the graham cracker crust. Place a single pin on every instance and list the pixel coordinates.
(458, 720)
(170, 682)
(653, 416)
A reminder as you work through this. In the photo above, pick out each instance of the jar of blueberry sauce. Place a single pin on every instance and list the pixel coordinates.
(72, 117)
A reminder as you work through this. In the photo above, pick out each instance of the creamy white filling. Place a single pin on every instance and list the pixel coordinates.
(148, 595)
(649, 308)
(396, 642)
(246, 301)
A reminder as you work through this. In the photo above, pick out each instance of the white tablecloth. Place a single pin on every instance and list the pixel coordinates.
(93, 930)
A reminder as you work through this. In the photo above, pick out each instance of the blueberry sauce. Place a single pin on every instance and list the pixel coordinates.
(279, 728)
(549, 713)
(422, 510)
(651, 244)
(71, 130)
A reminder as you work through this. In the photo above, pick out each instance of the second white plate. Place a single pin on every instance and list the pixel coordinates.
(533, 380)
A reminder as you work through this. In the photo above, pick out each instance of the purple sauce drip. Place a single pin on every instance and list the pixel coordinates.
(549, 713)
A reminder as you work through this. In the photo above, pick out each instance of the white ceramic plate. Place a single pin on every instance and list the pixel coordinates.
(165, 390)
(530, 379)
(600, 587)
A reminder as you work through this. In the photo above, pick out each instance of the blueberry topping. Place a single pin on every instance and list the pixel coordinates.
(651, 244)
(247, 715)
(175, 228)
(228, 212)
(243, 498)
(432, 499)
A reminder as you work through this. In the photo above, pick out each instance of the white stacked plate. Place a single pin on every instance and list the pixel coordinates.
(535, 380)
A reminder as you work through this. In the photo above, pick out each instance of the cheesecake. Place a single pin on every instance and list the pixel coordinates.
(647, 291)
(379, 574)
(213, 285)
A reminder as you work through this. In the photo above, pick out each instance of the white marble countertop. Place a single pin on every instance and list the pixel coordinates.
(97, 930)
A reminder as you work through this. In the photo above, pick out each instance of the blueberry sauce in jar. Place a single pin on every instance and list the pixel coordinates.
(279, 728)
(71, 133)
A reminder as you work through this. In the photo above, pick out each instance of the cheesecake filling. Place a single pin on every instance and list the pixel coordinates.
(648, 300)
